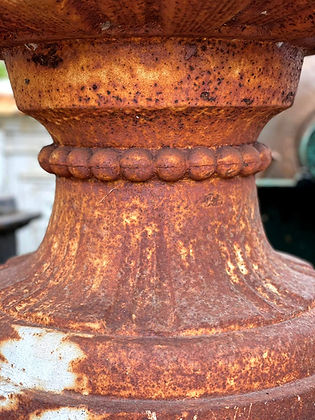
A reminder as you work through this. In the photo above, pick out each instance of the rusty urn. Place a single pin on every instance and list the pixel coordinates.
(155, 293)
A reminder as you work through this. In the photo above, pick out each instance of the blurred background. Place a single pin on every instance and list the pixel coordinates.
(286, 189)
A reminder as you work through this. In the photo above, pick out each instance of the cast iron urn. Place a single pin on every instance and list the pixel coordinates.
(155, 293)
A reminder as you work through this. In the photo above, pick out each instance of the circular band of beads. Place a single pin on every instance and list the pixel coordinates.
(167, 164)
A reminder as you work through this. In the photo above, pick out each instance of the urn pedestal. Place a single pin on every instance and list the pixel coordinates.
(155, 294)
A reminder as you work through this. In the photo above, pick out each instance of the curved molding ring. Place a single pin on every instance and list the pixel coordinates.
(167, 164)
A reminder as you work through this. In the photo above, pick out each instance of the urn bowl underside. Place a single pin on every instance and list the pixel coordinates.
(278, 20)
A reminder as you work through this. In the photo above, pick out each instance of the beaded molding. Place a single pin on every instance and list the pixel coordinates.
(167, 164)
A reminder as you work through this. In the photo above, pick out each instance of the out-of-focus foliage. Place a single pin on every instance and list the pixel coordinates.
(3, 72)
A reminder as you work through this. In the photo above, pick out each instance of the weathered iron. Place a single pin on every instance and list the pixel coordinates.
(155, 294)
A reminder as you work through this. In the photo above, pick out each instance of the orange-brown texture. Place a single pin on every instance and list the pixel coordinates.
(167, 164)
(275, 20)
(149, 93)
(155, 294)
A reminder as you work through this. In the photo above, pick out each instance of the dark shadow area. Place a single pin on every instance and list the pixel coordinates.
(288, 214)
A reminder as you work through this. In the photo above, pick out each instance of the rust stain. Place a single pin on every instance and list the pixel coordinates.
(168, 164)
(155, 294)
(30, 362)
(48, 57)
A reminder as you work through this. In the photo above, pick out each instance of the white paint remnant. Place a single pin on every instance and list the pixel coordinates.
(264, 12)
(279, 44)
(195, 417)
(151, 415)
(64, 413)
(249, 411)
(31, 46)
(104, 26)
(8, 399)
(40, 359)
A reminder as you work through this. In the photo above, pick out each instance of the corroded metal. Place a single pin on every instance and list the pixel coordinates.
(168, 164)
(155, 294)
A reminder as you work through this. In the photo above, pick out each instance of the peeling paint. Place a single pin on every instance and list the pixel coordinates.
(155, 261)
(151, 415)
(64, 413)
(32, 361)
(8, 396)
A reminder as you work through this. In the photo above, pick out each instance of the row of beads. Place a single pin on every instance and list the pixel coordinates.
(167, 164)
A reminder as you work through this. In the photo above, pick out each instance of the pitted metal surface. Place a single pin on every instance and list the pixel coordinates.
(155, 294)
(167, 164)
